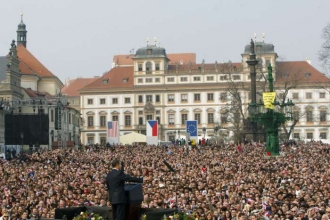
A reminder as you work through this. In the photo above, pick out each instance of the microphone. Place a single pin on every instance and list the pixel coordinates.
(168, 166)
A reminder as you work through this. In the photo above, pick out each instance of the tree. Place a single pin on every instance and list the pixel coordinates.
(324, 53)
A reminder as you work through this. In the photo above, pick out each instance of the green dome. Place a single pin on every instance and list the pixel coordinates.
(150, 51)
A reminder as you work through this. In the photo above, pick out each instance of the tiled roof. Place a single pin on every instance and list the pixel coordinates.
(118, 77)
(72, 87)
(299, 70)
(126, 60)
(31, 65)
(34, 94)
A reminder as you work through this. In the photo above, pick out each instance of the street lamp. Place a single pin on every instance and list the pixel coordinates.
(272, 115)
(179, 133)
(204, 131)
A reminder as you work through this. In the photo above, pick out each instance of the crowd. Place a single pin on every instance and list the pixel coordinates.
(212, 182)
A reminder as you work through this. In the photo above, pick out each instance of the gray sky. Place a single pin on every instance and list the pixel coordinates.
(78, 38)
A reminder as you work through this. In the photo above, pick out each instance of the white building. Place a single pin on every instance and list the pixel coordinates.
(149, 85)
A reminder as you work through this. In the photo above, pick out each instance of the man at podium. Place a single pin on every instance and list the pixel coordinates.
(115, 181)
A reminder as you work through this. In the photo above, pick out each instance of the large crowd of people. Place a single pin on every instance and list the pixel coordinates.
(212, 182)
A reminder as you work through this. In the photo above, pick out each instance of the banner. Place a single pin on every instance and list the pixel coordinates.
(268, 99)
(113, 132)
(192, 130)
(152, 132)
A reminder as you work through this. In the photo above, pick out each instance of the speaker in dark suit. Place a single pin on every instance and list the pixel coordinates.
(116, 179)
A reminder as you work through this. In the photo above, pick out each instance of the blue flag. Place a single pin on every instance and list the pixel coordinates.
(191, 128)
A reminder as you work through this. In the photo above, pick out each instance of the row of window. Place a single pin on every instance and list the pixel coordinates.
(310, 116)
(72, 119)
(148, 67)
(170, 98)
(185, 79)
(171, 119)
(308, 95)
(310, 135)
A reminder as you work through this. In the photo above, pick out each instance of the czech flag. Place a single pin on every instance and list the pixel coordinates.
(152, 128)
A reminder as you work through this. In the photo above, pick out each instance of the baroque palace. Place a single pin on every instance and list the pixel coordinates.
(173, 88)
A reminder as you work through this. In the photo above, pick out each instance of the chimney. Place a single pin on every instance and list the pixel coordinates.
(308, 60)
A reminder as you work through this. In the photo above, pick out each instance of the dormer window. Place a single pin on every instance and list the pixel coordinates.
(105, 81)
(125, 80)
(149, 51)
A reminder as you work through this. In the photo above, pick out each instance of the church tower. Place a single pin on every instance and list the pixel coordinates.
(21, 33)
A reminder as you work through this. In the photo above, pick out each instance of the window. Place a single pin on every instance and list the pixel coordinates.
(197, 78)
(223, 78)
(102, 121)
(140, 99)
(295, 95)
(296, 135)
(114, 100)
(72, 101)
(90, 101)
(184, 97)
(157, 112)
(140, 120)
(309, 116)
(140, 80)
(90, 121)
(148, 80)
(52, 115)
(223, 119)
(281, 96)
(267, 63)
(184, 118)
(323, 116)
(209, 78)
(127, 100)
(90, 140)
(158, 119)
(184, 79)
(157, 98)
(310, 135)
(69, 118)
(323, 135)
(125, 80)
(308, 95)
(140, 66)
(105, 81)
(149, 98)
(102, 101)
(157, 66)
(170, 98)
(223, 96)
(171, 119)
(170, 79)
(127, 120)
(157, 80)
(103, 140)
(149, 117)
(296, 115)
(149, 51)
(236, 77)
(322, 95)
(140, 112)
(115, 118)
(210, 96)
(198, 118)
(197, 97)
(148, 68)
(210, 118)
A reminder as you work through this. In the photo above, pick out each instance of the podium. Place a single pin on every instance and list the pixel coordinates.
(134, 198)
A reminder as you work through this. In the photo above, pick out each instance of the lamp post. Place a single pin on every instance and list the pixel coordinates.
(204, 131)
(179, 133)
(252, 62)
(272, 115)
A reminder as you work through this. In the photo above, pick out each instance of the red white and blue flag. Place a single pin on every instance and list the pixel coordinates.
(152, 132)
(152, 128)
(113, 132)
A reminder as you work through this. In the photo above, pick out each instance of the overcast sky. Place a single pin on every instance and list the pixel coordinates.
(78, 38)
